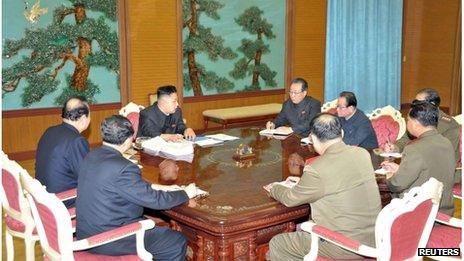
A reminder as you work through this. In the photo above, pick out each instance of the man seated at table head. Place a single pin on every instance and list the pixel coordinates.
(447, 126)
(298, 111)
(341, 189)
(61, 148)
(357, 128)
(112, 194)
(164, 117)
(430, 155)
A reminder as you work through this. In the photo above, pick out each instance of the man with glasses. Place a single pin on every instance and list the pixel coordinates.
(298, 111)
(164, 117)
(357, 128)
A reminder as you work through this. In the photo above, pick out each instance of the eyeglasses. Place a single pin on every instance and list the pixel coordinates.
(294, 93)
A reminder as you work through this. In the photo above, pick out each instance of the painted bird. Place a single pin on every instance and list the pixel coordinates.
(35, 12)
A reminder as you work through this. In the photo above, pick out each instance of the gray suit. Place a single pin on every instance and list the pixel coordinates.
(341, 188)
(430, 155)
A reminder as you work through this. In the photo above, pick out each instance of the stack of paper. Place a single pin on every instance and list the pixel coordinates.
(222, 137)
(290, 182)
(281, 132)
(204, 141)
(306, 141)
(172, 150)
(200, 193)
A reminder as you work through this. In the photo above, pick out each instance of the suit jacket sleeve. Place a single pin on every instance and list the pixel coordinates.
(362, 132)
(308, 190)
(408, 171)
(147, 127)
(281, 119)
(77, 150)
(133, 188)
(181, 127)
(314, 107)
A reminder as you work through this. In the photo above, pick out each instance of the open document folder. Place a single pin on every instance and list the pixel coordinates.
(172, 150)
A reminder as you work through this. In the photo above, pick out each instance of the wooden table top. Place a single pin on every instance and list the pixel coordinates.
(236, 193)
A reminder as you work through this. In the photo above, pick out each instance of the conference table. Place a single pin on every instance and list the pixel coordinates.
(238, 218)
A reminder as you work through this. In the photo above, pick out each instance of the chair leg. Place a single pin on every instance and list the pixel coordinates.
(30, 249)
(9, 246)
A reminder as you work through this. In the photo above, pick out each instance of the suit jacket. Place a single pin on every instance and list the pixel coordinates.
(358, 131)
(153, 122)
(112, 193)
(447, 126)
(341, 188)
(60, 152)
(298, 116)
(430, 155)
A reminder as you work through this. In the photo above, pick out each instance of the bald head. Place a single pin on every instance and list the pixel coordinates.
(74, 108)
(326, 127)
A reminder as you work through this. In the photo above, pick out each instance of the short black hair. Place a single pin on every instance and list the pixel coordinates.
(116, 129)
(350, 98)
(303, 82)
(74, 113)
(431, 96)
(425, 113)
(165, 90)
(326, 126)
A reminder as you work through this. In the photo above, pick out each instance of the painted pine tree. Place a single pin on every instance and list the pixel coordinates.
(200, 39)
(63, 41)
(253, 50)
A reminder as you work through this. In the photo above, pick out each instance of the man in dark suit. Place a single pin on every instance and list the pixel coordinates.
(357, 128)
(164, 117)
(61, 148)
(298, 111)
(429, 155)
(112, 194)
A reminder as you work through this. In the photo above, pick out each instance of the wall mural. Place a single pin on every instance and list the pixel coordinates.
(233, 46)
(55, 49)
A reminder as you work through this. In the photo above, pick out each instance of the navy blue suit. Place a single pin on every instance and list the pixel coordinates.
(358, 131)
(153, 122)
(298, 116)
(111, 194)
(60, 152)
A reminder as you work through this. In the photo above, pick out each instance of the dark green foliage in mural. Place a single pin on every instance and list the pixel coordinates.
(200, 39)
(63, 41)
(253, 50)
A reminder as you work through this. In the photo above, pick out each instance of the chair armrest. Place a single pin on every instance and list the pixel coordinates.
(68, 194)
(448, 220)
(113, 235)
(336, 238)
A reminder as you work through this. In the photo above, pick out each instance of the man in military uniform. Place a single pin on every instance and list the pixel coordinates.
(341, 188)
(447, 126)
(429, 155)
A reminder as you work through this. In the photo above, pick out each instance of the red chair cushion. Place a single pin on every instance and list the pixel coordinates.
(444, 237)
(457, 189)
(133, 117)
(10, 185)
(386, 129)
(84, 255)
(17, 225)
(320, 258)
(406, 231)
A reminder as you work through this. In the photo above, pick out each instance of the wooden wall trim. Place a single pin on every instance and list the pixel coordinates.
(180, 53)
(456, 80)
(289, 54)
(233, 95)
(48, 111)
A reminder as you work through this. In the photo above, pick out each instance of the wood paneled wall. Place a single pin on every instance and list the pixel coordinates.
(431, 31)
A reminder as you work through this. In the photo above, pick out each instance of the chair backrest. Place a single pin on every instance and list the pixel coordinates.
(132, 112)
(405, 224)
(11, 193)
(52, 219)
(152, 97)
(330, 107)
(388, 123)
